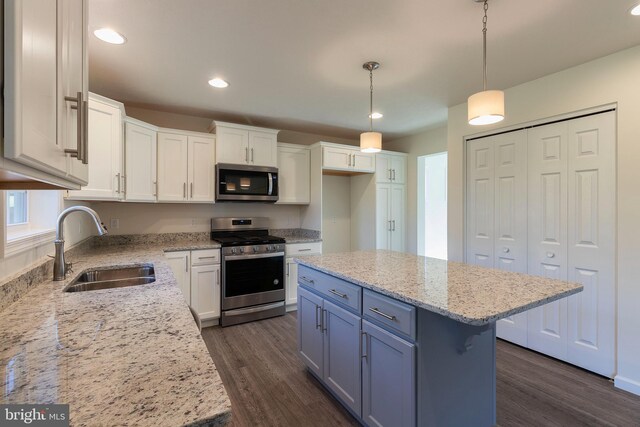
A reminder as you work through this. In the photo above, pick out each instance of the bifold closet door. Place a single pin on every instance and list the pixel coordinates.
(480, 202)
(591, 237)
(547, 235)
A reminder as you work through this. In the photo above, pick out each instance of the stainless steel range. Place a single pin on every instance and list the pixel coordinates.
(252, 269)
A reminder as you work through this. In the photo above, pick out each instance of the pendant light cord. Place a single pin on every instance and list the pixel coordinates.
(484, 46)
(370, 100)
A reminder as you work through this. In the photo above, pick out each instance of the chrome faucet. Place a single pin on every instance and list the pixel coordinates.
(59, 265)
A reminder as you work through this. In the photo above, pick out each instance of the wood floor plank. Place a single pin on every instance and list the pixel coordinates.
(269, 386)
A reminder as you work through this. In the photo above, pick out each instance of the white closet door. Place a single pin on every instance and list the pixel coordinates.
(591, 236)
(547, 235)
(480, 202)
(510, 220)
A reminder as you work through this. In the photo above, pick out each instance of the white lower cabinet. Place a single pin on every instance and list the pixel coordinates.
(291, 269)
(198, 276)
(369, 369)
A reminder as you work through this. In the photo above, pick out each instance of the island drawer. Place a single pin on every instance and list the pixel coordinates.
(389, 313)
(331, 288)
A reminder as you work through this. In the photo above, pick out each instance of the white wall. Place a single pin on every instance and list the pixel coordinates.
(429, 142)
(611, 79)
(143, 218)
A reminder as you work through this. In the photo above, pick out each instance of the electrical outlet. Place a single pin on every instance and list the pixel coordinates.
(115, 223)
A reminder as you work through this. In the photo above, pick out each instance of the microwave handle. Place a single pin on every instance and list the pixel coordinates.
(270, 176)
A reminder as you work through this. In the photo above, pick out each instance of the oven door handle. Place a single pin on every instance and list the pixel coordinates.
(252, 256)
(270, 176)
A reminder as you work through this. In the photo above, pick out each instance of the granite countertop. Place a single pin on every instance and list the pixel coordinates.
(297, 235)
(128, 356)
(469, 294)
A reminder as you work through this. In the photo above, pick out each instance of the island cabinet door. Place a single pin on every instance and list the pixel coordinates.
(388, 378)
(342, 355)
(310, 337)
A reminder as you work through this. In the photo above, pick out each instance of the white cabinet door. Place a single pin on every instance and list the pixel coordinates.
(172, 167)
(201, 169)
(480, 202)
(337, 158)
(72, 78)
(205, 290)
(547, 235)
(31, 98)
(293, 175)
(363, 162)
(397, 216)
(106, 181)
(180, 265)
(510, 227)
(398, 169)
(263, 149)
(591, 237)
(232, 145)
(384, 169)
(291, 279)
(383, 217)
(140, 163)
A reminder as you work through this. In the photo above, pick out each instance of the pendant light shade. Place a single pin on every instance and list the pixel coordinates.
(370, 142)
(486, 107)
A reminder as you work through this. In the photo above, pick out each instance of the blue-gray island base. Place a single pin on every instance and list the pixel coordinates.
(402, 340)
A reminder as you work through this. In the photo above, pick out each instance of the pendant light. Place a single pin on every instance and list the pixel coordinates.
(486, 107)
(370, 142)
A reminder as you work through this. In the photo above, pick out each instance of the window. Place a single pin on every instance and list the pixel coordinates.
(17, 207)
(30, 217)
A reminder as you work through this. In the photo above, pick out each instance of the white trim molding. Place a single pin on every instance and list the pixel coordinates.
(28, 241)
(627, 384)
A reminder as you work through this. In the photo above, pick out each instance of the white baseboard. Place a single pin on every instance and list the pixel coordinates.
(292, 307)
(627, 384)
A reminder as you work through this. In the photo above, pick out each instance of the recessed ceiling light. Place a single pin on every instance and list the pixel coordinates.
(110, 36)
(219, 83)
(376, 115)
(635, 10)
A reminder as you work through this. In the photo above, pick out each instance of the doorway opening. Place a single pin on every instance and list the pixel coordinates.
(432, 205)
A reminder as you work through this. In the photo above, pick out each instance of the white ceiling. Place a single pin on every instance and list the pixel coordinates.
(297, 64)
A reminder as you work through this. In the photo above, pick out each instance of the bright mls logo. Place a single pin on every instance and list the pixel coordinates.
(34, 415)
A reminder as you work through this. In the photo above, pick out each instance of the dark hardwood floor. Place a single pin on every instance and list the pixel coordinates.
(269, 386)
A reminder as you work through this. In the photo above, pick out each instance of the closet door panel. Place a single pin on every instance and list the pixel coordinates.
(591, 236)
(480, 202)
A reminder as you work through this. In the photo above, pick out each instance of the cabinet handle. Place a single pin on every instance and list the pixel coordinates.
(333, 291)
(393, 221)
(85, 133)
(389, 225)
(186, 264)
(79, 107)
(288, 268)
(318, 324)
(354, 160)
(191, 189)
(118, 181)
(390, 178)
(184, 190)
(207, 257)
(306, 279)
(246, 154)
(323, 319)
(363, 342)
(380, 313)
(394, 174)
(252, 155)
(155, 188)
(304, 250)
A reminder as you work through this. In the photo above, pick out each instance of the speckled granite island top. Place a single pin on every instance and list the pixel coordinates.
(129, 356)
(466, 293)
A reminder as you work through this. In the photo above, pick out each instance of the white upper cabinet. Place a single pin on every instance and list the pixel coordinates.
(344, 158)
(293, 174)
(391, 168)
(105, 134)
(45, 77)
(245, 145)
(140, 161)
(185, 167)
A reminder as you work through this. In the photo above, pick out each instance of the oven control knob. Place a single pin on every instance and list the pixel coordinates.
(269, 248)
(233, 251)
(256, 249)
(241, 250)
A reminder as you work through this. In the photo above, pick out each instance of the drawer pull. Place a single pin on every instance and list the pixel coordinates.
(306, 279)
(318, 323)
(380, 313)
(207, 257)
(333, 291)
(304, 250)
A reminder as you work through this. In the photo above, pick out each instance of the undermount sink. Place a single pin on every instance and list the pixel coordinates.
(108, 278)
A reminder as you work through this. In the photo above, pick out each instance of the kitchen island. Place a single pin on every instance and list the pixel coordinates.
(125, 356)
(404, 340)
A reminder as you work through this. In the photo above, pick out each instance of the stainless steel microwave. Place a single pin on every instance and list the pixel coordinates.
(242, 183)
